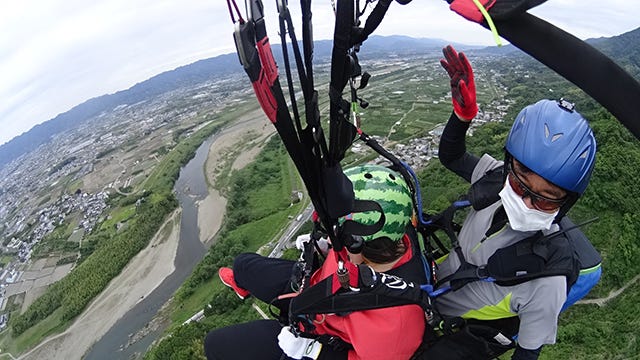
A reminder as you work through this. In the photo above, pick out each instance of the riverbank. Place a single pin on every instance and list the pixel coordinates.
(156, 262)
(211, 209)
(139, 278)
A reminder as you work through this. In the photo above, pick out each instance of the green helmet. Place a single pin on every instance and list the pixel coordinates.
(390, 191)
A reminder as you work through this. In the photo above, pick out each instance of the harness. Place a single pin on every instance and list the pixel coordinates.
(357, 287)
(396, 287)
(566, 252)
(375, 290)
(318, 161)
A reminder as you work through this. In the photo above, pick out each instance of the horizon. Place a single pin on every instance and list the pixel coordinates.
(233, 52)
(40, 87)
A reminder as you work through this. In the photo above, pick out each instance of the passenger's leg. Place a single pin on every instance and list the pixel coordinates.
(264, 277)
(252, 340)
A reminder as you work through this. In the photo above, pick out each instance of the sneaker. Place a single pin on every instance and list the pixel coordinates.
(226, 276)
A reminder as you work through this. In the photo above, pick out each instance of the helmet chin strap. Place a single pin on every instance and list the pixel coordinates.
(572, 197)
(354, 244)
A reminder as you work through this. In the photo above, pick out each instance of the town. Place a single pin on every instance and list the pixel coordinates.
(67, 183)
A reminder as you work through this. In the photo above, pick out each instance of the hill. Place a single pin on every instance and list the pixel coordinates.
(195, 73)
(186, 76)
(622, 48)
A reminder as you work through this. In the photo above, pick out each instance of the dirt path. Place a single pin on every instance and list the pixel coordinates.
(612, 295)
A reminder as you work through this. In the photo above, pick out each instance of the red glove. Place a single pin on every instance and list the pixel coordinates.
(463, 88)
(469, 10)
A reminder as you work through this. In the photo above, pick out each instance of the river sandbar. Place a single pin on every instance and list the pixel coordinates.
(139, 278)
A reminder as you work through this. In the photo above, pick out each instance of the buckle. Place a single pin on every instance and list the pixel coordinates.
(566, 105)
(482, 272)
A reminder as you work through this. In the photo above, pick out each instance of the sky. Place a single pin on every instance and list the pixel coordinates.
(56, 54)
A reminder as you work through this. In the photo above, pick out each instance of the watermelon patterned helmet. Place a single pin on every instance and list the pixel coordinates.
(390, 191)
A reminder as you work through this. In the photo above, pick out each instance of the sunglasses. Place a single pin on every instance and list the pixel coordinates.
(538, 201)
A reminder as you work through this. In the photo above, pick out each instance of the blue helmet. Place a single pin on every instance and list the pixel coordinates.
(555, 142)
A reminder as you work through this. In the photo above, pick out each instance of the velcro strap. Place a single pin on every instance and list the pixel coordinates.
(350, 227)
(334, 342)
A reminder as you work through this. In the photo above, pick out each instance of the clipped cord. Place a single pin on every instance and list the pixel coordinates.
(492, 26)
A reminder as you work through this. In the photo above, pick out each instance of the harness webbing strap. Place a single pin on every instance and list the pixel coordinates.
(341, 132)
(368, 290)
(373, 21)
(307, 43)
(374, 291)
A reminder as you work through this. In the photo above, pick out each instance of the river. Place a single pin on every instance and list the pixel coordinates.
(190, 187)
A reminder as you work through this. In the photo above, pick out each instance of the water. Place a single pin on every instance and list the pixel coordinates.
(190, 187)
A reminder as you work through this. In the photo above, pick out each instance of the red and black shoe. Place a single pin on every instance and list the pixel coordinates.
(226, 276)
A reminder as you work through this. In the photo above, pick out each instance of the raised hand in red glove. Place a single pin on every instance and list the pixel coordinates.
(463, 87)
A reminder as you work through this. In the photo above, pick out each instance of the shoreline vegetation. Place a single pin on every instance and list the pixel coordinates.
(258, 206)
(63, 301)
(148, 269)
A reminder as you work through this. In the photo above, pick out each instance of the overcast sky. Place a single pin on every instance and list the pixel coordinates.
(56, 54)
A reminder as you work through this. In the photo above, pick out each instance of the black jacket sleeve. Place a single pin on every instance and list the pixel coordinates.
(452, 151)
(524, 354)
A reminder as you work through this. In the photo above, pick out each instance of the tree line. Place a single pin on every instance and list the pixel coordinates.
(109, 252)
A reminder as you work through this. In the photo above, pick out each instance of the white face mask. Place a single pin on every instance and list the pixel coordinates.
(521, 218)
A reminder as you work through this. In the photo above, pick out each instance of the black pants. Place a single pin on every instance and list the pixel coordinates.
(252, 340)
(266, 279)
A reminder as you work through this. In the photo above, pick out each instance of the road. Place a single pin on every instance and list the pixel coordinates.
(290, 231)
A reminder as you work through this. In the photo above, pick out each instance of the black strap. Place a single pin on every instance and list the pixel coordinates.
(341, 132)
(578, 62)
(485, 191)
(334, 342)
(355, 228)
(531, 258)
(374, 19)
(374, 292)
(498, 222)
(328, 188)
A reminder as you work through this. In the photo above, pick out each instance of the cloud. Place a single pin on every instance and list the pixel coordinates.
(62, 53)
(59, 53)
